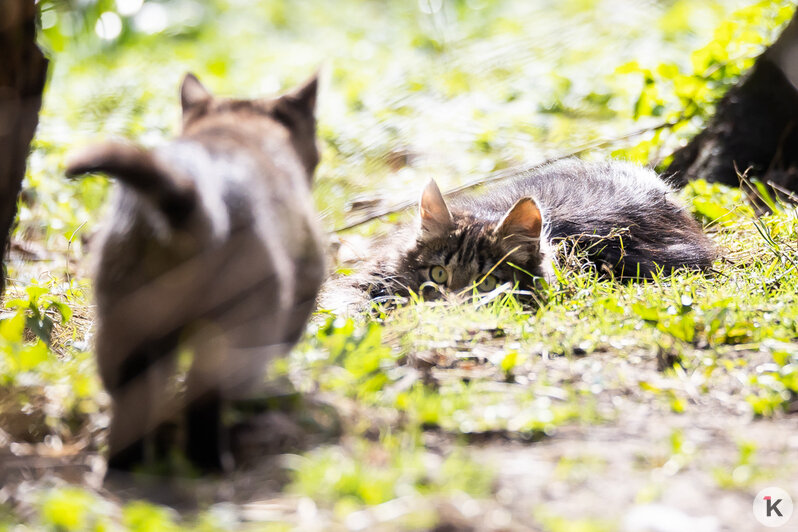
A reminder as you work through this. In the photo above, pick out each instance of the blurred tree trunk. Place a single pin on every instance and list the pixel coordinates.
(755, 125)
(23, 70)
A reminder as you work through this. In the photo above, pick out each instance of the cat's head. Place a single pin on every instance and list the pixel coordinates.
(291, 114)
(457, 250)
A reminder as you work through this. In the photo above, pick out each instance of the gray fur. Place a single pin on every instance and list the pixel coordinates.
(229, 273)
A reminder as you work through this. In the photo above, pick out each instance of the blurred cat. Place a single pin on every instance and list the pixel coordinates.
(622, 217)
(212, 248)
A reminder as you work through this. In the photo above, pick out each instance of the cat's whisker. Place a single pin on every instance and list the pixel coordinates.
(493, 294)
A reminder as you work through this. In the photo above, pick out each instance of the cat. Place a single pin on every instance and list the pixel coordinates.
(622, 217)
(212, 247)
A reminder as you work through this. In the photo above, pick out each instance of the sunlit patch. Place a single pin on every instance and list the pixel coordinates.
(108, 26)
(128, 8)
(430, 7)
(49, 19)
(152, 18)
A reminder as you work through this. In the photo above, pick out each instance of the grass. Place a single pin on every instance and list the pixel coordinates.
(491, 415)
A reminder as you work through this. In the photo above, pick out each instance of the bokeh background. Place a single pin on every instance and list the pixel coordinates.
(456, 90)
(650, 404)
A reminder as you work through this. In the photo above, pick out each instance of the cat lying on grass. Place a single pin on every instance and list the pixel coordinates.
(212, 248)
(623, 218)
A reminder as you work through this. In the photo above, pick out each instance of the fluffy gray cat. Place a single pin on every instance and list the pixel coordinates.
(623, 218)
(212, 248)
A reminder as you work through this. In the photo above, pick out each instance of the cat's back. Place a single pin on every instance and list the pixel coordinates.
(254, 215)
(572, 187)
(640, 222)
(240, 185)
(255, 187)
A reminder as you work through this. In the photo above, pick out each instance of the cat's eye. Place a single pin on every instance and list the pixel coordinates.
(438, 274)
(488, 283)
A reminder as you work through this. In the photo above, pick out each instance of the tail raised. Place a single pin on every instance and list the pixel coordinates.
(141, 171)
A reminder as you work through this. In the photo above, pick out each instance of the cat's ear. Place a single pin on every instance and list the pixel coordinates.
(192, 92)
(434, 215)
(522, 225)
(303, 97)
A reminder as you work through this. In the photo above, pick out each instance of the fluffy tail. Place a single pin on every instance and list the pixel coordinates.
(140, 170)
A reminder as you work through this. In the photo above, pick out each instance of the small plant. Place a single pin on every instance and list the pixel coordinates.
(357, 354)
(39, 307)
(744, 472)
(368, 473)
(775, 390)
(26, 330)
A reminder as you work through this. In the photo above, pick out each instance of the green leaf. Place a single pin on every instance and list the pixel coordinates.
(509, 361)
(31, 356)
(42, 328)
(34, 292)
(63, 309)
(13, 329)
(139, 516)
(67, 509)
(650, 314)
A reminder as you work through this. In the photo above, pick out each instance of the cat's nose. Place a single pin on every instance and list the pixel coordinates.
(432, 292)
(459, 280)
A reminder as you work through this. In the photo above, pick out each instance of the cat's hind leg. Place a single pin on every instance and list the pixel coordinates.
(141, 403)
(206, 443)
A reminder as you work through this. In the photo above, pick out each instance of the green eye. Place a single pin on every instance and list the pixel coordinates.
(488, 284)
(438, 274)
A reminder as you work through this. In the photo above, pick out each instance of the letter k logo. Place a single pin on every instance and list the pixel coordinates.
(772, 506)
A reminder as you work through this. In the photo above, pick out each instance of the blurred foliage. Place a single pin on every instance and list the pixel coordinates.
(717, 204)
(684, 96)
(48, 389)
(498, 83)
(374, 473)
(357, 355)
(72, 509)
